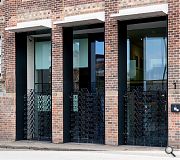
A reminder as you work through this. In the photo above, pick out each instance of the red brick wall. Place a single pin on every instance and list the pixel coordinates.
(77, 2)
(111, 73)
(57, 75)
(57, 84)
(174, 70)
(7, 101)
(80, 8)
(136, 3)
(33, 10)
(33, 5)
(7, 117)
(16, 10)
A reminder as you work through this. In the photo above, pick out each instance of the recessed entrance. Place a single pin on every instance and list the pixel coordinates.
(87, 96)
(34, 96)
(42, 89)
(145, 99)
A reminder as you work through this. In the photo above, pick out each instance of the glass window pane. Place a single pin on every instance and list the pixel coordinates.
(155, 62)
(147, 56)
(80, 63)
(42, 67)
(99, 48)
(43, 55)
(99, 69)
(80, 53)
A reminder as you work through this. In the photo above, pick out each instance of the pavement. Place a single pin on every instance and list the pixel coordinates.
(86, 155)
(46, 150)
(40, 145)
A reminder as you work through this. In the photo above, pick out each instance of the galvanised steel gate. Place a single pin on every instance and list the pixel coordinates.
(37, 116)
(87, 117)
(146, 117)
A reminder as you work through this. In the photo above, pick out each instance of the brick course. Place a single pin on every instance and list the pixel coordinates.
(7, 117)
(137, 3)
(111, 73)
(7, 101)
(75, 2)
(13, 11)
(57, 85)
(83, 8)
(174, 70)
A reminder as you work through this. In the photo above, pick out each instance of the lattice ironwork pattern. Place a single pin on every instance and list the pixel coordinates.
(87, 117)
(37, 116)
(29, 114)
(146, 117)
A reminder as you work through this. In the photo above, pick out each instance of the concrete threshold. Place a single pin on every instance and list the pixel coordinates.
(48, 146)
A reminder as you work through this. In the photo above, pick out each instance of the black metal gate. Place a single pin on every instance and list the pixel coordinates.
(146, 117)
(37, 116)
(87, 117)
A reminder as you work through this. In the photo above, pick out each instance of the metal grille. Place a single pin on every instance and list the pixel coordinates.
(146, 117)
(37, 116)
(29, 115)
(87, 117)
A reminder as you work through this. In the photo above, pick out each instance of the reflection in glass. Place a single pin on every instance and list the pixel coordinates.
(146, 101)
(155, 53)
(84, 62)
(146, 58)
(80, 63)
(99, 70)
(43, 67)
(88, 89)
(42, 98)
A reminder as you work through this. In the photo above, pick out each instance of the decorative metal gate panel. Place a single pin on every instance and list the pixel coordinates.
(146, 117)
(37, 116)
(87, 117)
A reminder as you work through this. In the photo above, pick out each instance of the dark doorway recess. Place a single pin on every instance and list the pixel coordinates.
(21, 83)
(84, 84)
(143, 114)
(67, 79)
(33, 86)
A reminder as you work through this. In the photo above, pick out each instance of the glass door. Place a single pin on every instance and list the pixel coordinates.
(87, 107)
(146, 98)
(80, 64)
(155, 66)
(42, 89)
(97, 65)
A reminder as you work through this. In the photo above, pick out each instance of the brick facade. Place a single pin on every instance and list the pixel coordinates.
(13, 11)
(7, 100)
(174, 70)
(57, 85)
(111, 73)
(7, 109)
(137, 3)
(83, 8)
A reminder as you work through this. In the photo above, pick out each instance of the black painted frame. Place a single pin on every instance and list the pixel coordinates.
(122, 69)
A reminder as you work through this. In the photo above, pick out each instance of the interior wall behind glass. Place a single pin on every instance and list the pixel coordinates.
(80, 53)
(43, 66)
(43, 55)
(147, 55)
